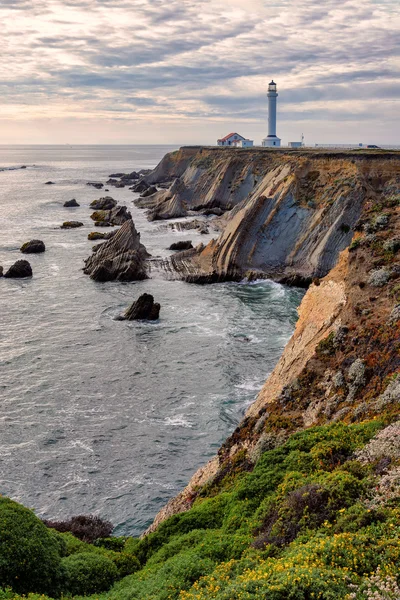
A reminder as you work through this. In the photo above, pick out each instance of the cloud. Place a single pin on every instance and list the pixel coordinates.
(207, 61)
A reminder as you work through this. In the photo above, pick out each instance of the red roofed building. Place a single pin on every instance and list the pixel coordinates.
(234, 139)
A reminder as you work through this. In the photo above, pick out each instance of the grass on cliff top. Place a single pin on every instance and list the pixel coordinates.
(304, 524)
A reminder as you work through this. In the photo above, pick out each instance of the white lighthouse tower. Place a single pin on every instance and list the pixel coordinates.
(272, 141)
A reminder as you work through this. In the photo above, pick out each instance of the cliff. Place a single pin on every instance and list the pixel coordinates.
(343, 359)
(287, 214)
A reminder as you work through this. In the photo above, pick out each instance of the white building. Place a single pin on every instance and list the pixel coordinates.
(271, 141)
(235, 140)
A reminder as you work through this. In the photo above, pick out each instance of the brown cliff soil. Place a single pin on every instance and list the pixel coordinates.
(343, 360)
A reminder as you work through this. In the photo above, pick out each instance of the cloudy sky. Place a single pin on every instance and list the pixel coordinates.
(189, 71)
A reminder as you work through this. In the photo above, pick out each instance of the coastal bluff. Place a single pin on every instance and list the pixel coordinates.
(329, 220)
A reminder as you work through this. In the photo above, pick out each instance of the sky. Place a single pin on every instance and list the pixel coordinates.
(191, 71)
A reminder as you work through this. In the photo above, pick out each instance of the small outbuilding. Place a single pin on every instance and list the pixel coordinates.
(235, 139)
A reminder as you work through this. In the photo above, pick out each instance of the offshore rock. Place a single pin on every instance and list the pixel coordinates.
(121, 258)
(184, 245)
(97, 235)
(106, 203)
(144, 308)
(149, 192)
(116, 216)
(33, 247)
(71, 224)
(95, 184)
(71, 203)
(164, 204)
(1, 271)
(19, 269)
(49, 183)
(140, 187)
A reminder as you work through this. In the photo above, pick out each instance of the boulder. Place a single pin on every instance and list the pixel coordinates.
(149, 192)
(115, 216)
(140, 187)
(121, 258)
(71, 203)
(71, 224)
(143, 308)
(33, 247)
(19, 269)
(97, 235)
(106, 203)
(181, 245)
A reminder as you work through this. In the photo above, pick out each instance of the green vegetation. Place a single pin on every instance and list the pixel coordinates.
(301, 525)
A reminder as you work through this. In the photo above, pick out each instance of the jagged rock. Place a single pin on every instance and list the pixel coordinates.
(184, 245)
(71, 224)
(149, 192)
(95, 184)
(140, 187)
(106, 203)
(121, 258)
(33, 247)
(71, 203)
(19, 269)
(143, 308)
(115, 216)
(1, 271)
(49, 183)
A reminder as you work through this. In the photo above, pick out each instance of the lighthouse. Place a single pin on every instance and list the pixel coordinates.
(272, 141)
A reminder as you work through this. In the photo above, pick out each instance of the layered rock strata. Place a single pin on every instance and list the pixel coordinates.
(121, 258)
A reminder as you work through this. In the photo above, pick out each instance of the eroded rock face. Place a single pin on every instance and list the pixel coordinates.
(71, 203)
(33, 247)
(106, 203)
(19, 269)
(144, 308)
(121, 258)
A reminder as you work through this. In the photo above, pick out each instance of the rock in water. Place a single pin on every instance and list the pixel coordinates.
(106, 203)
(143, 308)
(140, 187)
(19, 269)
(1, 271)
(71, 203)
(49, 183)
(71, 224)
(181, 245)
(149, 192)
(97, 235)
(115, 216)
(33, 247)
(122, 257)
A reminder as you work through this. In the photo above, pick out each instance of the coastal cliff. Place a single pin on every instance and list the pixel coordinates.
(286, 214)
(342, 361)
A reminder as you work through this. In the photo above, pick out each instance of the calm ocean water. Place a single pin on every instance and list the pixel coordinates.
(108, 417)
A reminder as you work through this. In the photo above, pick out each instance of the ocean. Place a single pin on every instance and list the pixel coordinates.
(101, 416)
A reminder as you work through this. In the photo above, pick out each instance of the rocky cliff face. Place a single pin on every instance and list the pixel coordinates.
(343, 360)
(287, 214)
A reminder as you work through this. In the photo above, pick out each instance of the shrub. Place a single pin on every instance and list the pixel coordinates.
(87, 528)
(88, 573)
(29, 553)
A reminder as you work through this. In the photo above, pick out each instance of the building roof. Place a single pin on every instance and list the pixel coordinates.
(229, 136)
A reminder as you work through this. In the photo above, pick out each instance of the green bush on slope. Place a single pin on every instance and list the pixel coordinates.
(30, 558)
(87, 573)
